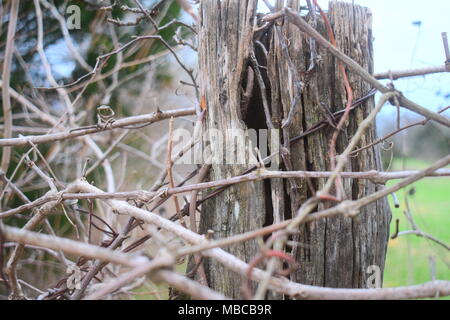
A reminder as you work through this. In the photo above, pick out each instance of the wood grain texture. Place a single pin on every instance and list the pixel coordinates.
(334, 252)
(224, 39)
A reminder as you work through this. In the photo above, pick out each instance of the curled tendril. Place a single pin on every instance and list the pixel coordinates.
(389, 147)
(180, 92)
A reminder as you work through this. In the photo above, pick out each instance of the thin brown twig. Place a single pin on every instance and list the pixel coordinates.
(278, 284)
(298, 21)
(425, 235)
(145, 196)
(398, 74)
(193, 223)
(418, 123)
(146, 119)
(170, 173)
(349, 90)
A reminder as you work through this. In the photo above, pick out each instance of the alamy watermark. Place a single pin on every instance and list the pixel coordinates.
(247, 147)
(374, 280)
(73, 20)
(74, 279)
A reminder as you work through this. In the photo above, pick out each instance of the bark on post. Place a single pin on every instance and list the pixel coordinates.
(224, 39)
(335, 252)
(338, 251)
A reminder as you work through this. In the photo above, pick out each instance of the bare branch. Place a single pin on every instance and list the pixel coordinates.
(6, 75)
(394, 75)
(297, 20)
(425, 235)
(278, 284)
(70, 246)
(145, 119)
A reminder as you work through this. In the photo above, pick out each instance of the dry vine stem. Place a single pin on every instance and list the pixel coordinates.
(297, 20)
(277, 284)
(280, 284)
(6, 74)
(141, 265)
(74, 133)
(143, 195)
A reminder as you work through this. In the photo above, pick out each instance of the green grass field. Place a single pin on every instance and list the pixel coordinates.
(409, 255)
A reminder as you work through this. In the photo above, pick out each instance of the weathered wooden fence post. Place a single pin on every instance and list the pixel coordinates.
(334, 252)
(224, 39)
(338, 250)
